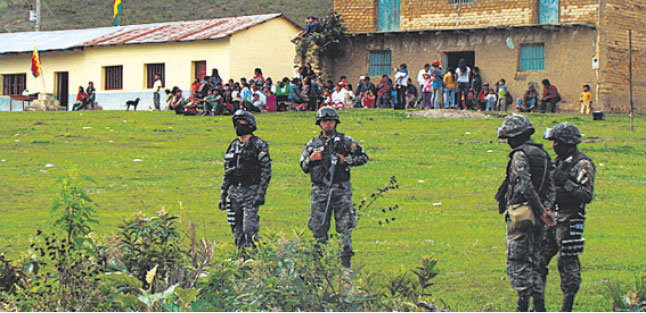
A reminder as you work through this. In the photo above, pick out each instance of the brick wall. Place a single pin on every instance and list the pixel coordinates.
(579, 11)
(616, 17)
(440, 14)
(359, 15)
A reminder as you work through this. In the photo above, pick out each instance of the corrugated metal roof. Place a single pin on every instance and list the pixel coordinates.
(131, 34)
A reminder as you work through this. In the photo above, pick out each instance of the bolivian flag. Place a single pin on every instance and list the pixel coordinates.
(35, 64)
(116, 19)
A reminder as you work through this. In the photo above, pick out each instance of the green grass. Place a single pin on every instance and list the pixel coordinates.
(435, 160)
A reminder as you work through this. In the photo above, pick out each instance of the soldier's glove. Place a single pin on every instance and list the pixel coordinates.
(259, 200)
(221, 204)
(548, 218)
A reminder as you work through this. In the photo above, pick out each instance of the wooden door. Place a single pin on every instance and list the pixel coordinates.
(62, 88)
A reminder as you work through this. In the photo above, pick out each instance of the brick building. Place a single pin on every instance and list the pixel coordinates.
(570, 42)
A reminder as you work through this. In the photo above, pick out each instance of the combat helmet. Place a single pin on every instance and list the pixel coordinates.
(563, 132)
(327, 113)
(244, 115)
(514, 126)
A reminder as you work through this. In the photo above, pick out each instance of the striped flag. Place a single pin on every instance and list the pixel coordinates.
(118, 7)
(36, 68)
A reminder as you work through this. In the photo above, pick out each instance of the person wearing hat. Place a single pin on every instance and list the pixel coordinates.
(574, 181)
(247, 172)
(328, 158)
(525, 197)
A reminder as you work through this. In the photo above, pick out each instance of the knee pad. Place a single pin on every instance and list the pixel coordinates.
(572, 247)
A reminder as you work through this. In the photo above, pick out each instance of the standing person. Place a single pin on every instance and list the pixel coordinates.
(574, 180)
(585, 98)
(427, 92)
(247, 172)
(476, 85)
(502, 95)
(384, 93)
(157, 88)
(525, 197)
(490, 99)
(401, 83)
(436, 75)
(550, 95)
(257, 77)
(362, 89)
(328, 158)
(464, 82)
(420, 79)
(449, 89)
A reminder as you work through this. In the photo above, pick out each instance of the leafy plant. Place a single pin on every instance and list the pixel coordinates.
(631, 301)
(75, 210)
(328, 41)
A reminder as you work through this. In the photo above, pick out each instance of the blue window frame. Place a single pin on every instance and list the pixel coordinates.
(380, 63)
(532, 57)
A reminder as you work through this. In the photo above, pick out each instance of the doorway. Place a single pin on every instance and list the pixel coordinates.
(62, 88)
(452, 58)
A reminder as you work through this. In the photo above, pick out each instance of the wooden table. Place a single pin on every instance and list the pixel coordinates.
(20, 98)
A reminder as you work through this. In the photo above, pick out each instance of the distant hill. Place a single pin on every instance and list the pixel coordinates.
(71, 14)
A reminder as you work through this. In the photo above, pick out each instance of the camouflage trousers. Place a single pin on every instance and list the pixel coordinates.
(243, 215)
(341, 207)
(523, 250)
(568, 265)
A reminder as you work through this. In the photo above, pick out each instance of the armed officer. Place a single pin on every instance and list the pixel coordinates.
(328, 158)
(574, 180)
(247, 172)
(525, 197)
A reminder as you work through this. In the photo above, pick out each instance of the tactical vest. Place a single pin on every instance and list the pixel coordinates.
(241, 160)
(320, 170)
(537, 157)
(566, 166)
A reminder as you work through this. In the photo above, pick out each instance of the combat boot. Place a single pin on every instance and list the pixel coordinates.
(568, 302)
(538, 304)
(522, 303)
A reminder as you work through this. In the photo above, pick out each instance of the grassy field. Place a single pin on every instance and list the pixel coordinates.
(458, 163)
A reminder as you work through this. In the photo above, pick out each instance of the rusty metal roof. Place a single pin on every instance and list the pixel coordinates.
(130, 34)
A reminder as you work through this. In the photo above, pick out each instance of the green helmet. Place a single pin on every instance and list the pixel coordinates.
(563, 132)
(327, 113)
(244, 115)
(514, 126)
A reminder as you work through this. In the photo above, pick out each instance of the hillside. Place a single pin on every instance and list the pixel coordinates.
(71, 14)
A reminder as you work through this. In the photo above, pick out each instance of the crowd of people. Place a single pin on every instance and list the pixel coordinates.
(459, 88)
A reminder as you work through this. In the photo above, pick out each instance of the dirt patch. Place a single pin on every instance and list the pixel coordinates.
(451, 114)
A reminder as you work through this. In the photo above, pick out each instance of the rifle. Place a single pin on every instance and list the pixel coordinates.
(330, 182)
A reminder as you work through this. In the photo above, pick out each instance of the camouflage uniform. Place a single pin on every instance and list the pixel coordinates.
(344, 215)
(247, 172)
(528, 167)
(574, 180)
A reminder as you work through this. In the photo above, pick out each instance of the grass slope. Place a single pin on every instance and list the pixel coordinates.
(456, 162)
(68, 14)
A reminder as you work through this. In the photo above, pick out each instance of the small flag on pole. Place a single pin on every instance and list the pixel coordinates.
(36, 69)
(116, 19)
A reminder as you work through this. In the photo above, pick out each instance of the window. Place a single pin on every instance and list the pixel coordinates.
(199, 70)
(152, 70)
(532, 57)
(14, 84)
(461, 1)
(380, 63)
(113, 77)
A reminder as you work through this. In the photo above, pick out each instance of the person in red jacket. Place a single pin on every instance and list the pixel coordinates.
(550, 95)
(81, 100)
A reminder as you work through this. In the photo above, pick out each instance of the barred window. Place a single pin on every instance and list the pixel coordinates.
(380, 63)
(14, 84)
(532, 57)
(113, 77)
(152, 70)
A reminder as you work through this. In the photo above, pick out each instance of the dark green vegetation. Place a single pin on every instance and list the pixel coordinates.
(73, 14)
(435, 160)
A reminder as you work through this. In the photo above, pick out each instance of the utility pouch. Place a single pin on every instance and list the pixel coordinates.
(572, 247)
(576, 228)
(521, 215)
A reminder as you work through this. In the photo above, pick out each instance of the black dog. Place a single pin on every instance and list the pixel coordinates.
(134, 103)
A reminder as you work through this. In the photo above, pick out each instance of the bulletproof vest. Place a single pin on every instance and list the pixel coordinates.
(537, 159)
(566, 166)
(320, 170)
(241, 162)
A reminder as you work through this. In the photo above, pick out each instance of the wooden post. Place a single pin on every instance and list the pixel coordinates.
(630, 78)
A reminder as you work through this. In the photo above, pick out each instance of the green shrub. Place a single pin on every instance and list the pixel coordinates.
(630, 301)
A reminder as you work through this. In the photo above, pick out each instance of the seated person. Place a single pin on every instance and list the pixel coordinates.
(176, 102)
(81, 100)
(529, 100)
(369, 99)
(91, 91)
(256, 105)
(169, 97)
(411, 94)
(272, 105)
(338, 98)
(326, 98)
